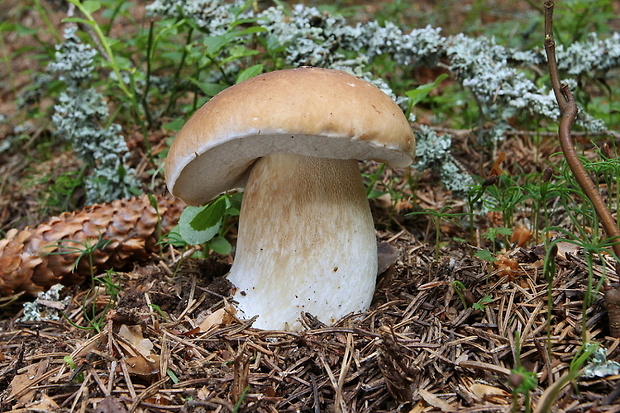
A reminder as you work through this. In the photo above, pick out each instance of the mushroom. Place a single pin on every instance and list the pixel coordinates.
(293, 138)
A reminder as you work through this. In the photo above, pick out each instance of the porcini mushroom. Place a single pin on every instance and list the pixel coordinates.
(306, 239)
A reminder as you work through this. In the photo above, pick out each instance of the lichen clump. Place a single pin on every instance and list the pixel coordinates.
(80, 117)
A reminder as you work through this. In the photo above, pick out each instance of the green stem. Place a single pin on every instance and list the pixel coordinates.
(549, 396)
(110, 54)
(177, 73)
(44, 16)
(147, 86)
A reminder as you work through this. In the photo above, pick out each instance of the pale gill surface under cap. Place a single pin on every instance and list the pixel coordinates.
(309, 111)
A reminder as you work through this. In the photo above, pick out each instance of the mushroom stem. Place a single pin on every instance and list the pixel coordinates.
(306, 242)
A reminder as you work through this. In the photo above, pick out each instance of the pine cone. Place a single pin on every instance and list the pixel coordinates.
(35, 258)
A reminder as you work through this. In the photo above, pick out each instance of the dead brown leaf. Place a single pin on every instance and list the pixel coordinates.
(142, 366)
(492, 394)
(435, 401)
(223, 316)
(110, 405)
(133, 335)
(23, 381)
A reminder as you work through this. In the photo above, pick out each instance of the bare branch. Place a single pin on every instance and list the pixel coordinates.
(569, 110)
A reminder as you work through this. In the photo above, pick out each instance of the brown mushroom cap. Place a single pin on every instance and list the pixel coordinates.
(307, 111)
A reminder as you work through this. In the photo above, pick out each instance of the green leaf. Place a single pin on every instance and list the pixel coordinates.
(238, 52)
(250, 72)
(174, 238)
(485, 255)
(172, 376)
(374, 193)
(421, 92)
(210, 215)
(70, 362)
(494, 233)
(220, 245)
(189, 234)
(5, 26)
(486, 299)
(77, 20)
(481, 303)
(252, 30)
(216, 43)
(173, 55)
(91, 6)
(209, 89)
(24, 31)
(153, 202)
(175, 125)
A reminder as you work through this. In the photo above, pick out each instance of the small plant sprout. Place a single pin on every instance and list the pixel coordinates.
(480, 305)
(445, 214)
(306, 240)
(494, 235)
(549, 397)
(418, 94)
(467, 297)
(522, 380)
(77, 376)
(98, 300)
(463, 293)
(81, 250)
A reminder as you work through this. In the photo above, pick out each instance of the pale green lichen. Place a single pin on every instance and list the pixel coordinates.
(599, 366)
(433, 152)
(40, 309)
(496, 75)
(80, 117)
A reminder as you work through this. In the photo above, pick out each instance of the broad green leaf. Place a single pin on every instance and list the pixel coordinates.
(239, 51)
(250, 72)
(91, 6)
(245, 53)
(421, 92)
(220, 245)
(6, 26)
(486, 299)
(375, 194)
(216, 43)
(210, 215)
(485, 255)
(175, 125)
(172, 56)
(209, 89)
(25, 31)
(190, 235)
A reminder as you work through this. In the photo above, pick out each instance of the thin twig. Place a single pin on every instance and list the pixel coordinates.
(344, 369)
(568, 109)
(480, 365)
(315, 394)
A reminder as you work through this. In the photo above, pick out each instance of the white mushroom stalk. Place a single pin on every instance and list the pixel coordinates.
(306, 242)
(293, 138)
